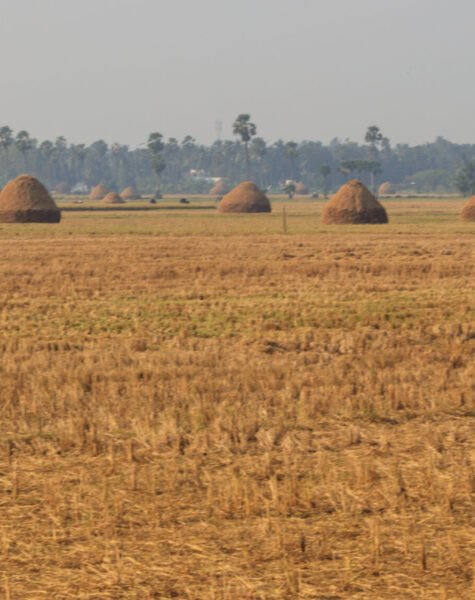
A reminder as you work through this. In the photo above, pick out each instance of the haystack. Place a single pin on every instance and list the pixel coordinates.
(468, 211)
(62, 187)
(386, 188)
(245, 198)
(99, 192)
(113, 198)
(301, 189)
(219, 188)
(130, 193)
(26, 200)
(354, 203)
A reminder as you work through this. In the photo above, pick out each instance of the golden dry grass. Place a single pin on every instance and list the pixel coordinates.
(195, 406)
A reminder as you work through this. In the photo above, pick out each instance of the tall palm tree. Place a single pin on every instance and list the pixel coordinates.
(6, 140)
(246, 130)
(156, 145)
(24, 143)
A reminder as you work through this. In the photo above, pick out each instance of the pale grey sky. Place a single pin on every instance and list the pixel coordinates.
(304, 69)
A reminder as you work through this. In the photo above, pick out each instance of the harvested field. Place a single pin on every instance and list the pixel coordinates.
(197, 406)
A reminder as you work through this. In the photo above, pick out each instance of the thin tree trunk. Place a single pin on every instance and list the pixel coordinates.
(248, 162)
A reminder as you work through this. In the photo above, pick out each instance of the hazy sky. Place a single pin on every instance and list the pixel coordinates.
(304, 69)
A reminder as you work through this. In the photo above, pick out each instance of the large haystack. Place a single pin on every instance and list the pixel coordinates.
(113, 198)
(468, 211)
(301, 189)
(354, 203)
(130, 193)
(26, 200)
(219, 188)
(245, 198)
(386, 188)
(98, 192)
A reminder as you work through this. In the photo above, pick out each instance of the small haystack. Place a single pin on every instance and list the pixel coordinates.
(113, 198)
(130, 193)
(468, 211)
(301, 189)
(245, 198)
(98, 192)
(26, 200)
(219, 188)
(62, 188)
(386, 188)
(354, 203)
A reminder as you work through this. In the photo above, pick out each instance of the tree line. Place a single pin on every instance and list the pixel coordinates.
(186, 166)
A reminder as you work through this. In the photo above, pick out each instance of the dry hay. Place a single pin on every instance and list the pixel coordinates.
(301, 189)
(354, 203)
(219, 188)
(98, 192)
(26, 200)
(62, 187)
(113, 198)
(468, 211)
(245, 198)
(386, 188)
(130, 193)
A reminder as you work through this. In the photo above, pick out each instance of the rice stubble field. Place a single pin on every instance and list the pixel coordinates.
(197, 406)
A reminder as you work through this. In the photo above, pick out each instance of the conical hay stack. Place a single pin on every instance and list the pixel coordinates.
(130, 193)
(245, 198)
(61, 188)
(26, 200)
(99, 192)
(219, 188)
(113, 198)
(468, 211)
(354, 203)
(301, 189)
(386, 188)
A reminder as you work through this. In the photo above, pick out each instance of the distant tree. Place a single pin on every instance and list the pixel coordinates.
(375, 140)
(156, 145)
(464, 178)
(246, 130)
(258, 151)
(291, 153)
(47, 151)
(24, 143)
(325, 172)
(6, 140)
(289, 188)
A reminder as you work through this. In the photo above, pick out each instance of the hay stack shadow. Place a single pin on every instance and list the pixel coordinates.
(354, 204)
(26, 200)
(245, 198)
(468, 211)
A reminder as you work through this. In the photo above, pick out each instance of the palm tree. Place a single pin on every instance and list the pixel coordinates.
(156, 145)
(325, 171)
(246, 130)
(291, 152)
(24, 143)
(6, 140)
(374, 138)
